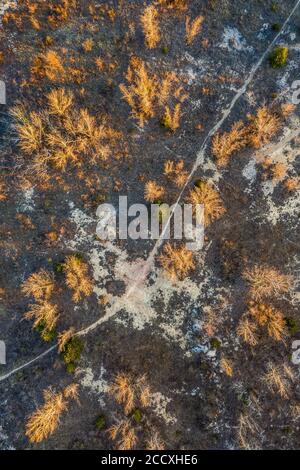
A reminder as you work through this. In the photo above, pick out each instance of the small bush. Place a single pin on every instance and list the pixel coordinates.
(171, 120)
(40, 285)
(150, 26)
(48, 335)
(207, 195)
(265, 281)
(77, 277)
(58, 267)
(193, 28)
(153, 191)
(278, 57)
(71, 368)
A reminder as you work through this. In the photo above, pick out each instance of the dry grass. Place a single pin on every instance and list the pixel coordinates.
(247, 428)
(175, 172)
(30, 128)
(224, 145)
(44, 313)
(141, 92)
(180, 5)
(278, 380)
(153, 191)
(207, 195)
(150, 26)
(59, 101)
(178, 262)
(192, 28)
(48, 65)
(39, 285)
(266, 282)
(88, 45)
(77, 278)
(45, 420)
(154, 442)
(3, 194)
(61, 134)
(129, 391)
(124, 435)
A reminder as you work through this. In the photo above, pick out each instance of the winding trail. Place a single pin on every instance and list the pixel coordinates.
(200, 157)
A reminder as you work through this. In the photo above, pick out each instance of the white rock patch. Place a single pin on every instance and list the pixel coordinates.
(97, 386)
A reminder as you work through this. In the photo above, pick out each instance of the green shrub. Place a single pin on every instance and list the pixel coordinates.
(276, 27)
(79, 256)
(71, 368)
(58, 267)
(278, 57)
(215, 343)
(100, 422)
(47, 204)
(292, 325)
(137, 416)
(71, 353)
(99, 199)
(200, 184)
(165, 122)
(244, 397)
(46, 335)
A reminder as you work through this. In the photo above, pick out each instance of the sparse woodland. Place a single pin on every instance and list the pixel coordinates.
(152, 348)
